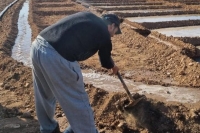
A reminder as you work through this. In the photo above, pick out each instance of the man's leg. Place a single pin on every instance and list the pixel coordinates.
(66, 83)
(45, 108)
(44, 99)
(68, 88)
(68, 130)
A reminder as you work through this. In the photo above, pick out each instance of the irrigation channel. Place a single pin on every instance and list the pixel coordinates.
(22, 45)
(184, 95)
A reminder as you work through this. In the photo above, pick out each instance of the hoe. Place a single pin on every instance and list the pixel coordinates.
(133, 101)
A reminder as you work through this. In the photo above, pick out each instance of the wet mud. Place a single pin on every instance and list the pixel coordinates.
(142, 56)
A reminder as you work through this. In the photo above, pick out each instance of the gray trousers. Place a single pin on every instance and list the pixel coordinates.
(57, 79)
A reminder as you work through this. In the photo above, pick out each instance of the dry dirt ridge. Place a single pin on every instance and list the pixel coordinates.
(140, 58)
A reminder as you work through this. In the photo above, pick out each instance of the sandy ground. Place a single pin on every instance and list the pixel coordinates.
(140, 58)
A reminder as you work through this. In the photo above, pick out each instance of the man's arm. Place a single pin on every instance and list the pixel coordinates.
(106, 60)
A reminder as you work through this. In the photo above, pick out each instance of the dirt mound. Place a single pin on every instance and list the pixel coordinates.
(146, 116)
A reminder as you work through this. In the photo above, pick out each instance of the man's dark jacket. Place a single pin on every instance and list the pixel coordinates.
(79, 36)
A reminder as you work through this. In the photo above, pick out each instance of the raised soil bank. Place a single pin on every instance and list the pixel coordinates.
(119, 4)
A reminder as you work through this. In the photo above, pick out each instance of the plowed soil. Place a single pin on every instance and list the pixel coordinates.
(140, 58)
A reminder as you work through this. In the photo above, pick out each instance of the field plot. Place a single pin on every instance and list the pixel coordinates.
(165, 15)
(161, 67)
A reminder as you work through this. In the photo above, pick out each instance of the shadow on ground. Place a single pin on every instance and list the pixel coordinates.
(11, 121)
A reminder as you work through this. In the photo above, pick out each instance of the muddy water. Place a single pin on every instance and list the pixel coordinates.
(109, 83)
(187, 31)
(21, 49)
(165, 18)
(21, 53)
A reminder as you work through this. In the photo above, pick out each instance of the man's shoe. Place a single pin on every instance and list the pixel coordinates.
(57, 129)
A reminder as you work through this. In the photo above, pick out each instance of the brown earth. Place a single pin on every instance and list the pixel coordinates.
(140, 58)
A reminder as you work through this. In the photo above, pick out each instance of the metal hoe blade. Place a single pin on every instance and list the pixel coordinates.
(133, 101)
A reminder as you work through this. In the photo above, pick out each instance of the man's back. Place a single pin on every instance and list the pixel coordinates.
(78, 36)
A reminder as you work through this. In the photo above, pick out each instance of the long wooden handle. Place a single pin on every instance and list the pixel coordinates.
(125, 87)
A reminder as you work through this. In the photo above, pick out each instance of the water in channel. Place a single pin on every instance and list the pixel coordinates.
(165, 18)
(21, 50)
(187, 31)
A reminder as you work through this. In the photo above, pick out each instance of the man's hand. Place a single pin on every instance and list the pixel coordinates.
(115, 69)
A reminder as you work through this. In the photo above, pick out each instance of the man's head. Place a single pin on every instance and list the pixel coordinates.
(113, 23)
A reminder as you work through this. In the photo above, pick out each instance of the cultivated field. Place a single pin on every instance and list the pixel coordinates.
(142, 55)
